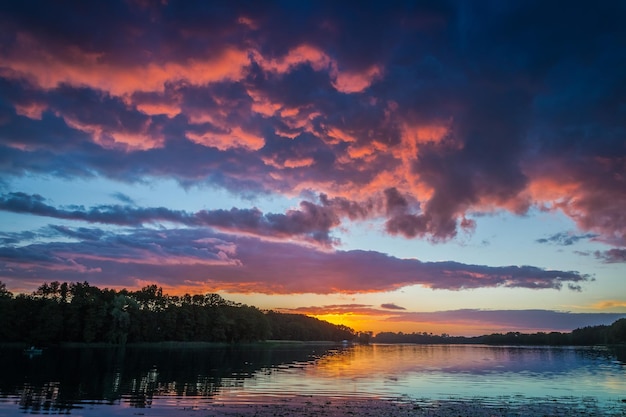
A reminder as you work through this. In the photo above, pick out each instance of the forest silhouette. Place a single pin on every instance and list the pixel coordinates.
(81, 313)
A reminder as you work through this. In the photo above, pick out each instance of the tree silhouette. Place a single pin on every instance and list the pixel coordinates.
(79, 312)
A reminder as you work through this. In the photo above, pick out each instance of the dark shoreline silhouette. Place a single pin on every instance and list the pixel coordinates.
(613, 334)
(59, 313)
(81, 313)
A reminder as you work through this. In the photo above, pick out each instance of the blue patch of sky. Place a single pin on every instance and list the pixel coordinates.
(500, 239)
(154, 193)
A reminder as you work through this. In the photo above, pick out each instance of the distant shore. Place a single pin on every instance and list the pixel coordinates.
(269, 343)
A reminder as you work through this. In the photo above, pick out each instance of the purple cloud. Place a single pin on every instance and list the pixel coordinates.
(612, 255)
(391, 306)
(311, 222)
(513, 320)
(474, 321)
(246, 264)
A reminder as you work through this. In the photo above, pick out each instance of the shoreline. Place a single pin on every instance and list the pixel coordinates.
(279, 342)
(329, 406)
(310, 406)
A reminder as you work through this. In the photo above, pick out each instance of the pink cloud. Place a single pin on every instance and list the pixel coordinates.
(343, 81)
(235, 137)
(298, 163)
(31, 110)
(149, 257)
(356, 82)
(153, 109)
(51, 67)
(510, 320)
(302, 54)
(116, 137)
(589, 191)
(254, 265)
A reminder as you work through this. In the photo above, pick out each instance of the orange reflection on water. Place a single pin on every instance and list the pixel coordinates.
(380, 360)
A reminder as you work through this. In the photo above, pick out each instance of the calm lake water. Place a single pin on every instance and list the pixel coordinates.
(162, 381)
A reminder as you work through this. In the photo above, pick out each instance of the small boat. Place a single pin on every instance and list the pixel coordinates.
(33, 351)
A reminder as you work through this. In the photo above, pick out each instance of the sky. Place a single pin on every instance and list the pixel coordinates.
(440, 166)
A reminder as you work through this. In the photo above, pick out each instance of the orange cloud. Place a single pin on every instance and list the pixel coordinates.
(299, 163)
(302, 54)
(355, 82)
(289, 162)
(118, 138)
(72, 66)
(400, 173)
(343, 81)
(31, 110)
(263, 105)
(234, 138)
(136, 141)
(299, 119)
(586, 190)
(416, 134)
(551, 192)
(337, 135)
(153, 109)
(609, 304)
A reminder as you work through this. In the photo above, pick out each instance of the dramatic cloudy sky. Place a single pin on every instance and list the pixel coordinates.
(441, 166)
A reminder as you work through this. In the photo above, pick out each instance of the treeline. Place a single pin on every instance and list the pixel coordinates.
(586, 336)
(79, 312)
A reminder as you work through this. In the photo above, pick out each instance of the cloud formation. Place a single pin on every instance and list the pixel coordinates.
(419, 118)
(216, 261)
(258, 105)
(566, 238)
(612, 255)
(311, 222)
(514, 320)
(391, 306)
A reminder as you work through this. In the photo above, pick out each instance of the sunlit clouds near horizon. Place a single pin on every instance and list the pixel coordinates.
(452, 166)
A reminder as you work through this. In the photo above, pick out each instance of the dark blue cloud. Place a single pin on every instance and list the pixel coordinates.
(391, 306)
(565, 238)
(311, 222)
(12, 238)
(123, 198)
(79, 233)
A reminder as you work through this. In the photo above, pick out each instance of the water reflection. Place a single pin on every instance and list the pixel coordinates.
(61, 380)
(443, 372)
(364, 361)
(42, 399)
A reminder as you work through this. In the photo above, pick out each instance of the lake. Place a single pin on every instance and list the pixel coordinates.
(161, 380)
